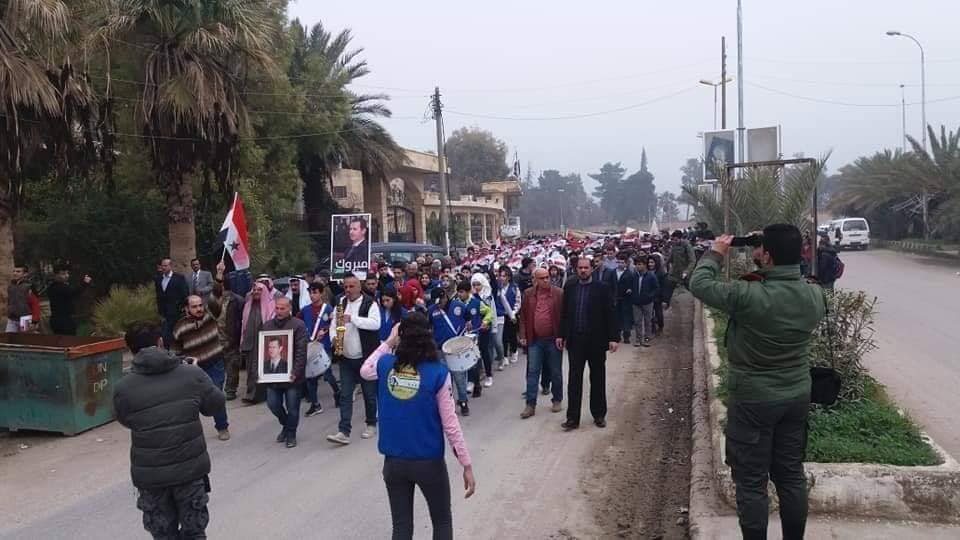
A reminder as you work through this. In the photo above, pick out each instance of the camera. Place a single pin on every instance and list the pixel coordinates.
(754, 240)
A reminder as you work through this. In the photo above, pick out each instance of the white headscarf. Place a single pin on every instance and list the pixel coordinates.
(485, 292)
(304, 293)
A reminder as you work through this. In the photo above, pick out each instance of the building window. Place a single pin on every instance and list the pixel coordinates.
(339, 192)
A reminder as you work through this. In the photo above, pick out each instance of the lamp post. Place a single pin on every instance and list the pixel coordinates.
(923, 83)
(561, 191)
(923, 115)
(903, 120)
(715, 85)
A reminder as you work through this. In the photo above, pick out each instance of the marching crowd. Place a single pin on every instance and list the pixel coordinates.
(385, 333)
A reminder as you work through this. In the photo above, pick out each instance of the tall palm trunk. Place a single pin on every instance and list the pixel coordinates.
(6, 255)
(178, 190)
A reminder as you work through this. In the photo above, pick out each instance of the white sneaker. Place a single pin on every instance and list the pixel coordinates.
(488, 382)
(500, 365)
(369, 432)
(339, 438)
(469, 387)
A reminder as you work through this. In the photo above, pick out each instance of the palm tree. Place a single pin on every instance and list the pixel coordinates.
(195, 55)
(904, 182)
(324, 65)
(761, 197)
(45, 111)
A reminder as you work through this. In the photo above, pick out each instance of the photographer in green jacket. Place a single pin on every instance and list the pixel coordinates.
(773, 315)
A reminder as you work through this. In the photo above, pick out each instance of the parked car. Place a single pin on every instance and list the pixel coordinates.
(851, 233)
(404, 251)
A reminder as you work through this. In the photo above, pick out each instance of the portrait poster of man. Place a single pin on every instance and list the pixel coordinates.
(718, 152)
(350, 245)
(276, 356)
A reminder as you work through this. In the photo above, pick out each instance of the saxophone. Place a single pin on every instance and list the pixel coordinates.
(341, 332)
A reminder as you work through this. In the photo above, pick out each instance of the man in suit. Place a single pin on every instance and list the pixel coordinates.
(201, 281)
(357, 257)
(588, 330)
(172, 292)
(626, 279)
(275, 363)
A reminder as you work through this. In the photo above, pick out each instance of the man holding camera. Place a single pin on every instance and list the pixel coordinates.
(773, 315)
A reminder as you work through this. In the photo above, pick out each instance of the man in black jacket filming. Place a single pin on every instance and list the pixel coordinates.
(161, 401)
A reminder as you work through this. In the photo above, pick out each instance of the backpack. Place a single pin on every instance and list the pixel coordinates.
(838, 267)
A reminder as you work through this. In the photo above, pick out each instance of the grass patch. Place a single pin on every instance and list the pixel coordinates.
(868, 430)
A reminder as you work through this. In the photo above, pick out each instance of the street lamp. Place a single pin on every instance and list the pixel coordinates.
(923, 82)
(715, 85)
(923, 114)
(561, 190)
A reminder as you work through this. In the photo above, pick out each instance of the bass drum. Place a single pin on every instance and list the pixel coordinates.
(461, 353)
(318, 361)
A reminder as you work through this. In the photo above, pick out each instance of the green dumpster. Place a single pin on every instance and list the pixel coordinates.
(58, 383)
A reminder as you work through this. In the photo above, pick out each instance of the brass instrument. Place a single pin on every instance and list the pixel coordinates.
(341, 332)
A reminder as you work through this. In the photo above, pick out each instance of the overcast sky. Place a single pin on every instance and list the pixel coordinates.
(532, 61)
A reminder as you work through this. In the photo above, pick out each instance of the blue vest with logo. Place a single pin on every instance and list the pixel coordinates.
(442, 331)
(306, 314)
(410, 426)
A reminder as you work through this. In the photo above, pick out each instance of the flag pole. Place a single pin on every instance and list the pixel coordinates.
(224, 254)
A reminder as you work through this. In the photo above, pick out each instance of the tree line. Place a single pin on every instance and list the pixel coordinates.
(126, 126)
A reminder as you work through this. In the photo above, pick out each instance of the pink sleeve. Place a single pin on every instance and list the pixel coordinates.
(451, 425)
(369, 368)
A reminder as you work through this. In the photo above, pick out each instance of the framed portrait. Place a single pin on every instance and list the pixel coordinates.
(275, 355)
(349, 245)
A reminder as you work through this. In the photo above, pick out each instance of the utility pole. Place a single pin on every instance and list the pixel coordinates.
(903, 120)
(723, 82)
(740, 82)
(442, 165)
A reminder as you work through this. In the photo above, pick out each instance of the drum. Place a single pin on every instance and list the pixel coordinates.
(461, 353)
(318, 361)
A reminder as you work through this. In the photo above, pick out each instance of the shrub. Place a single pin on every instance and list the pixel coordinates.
(844, 339)
(123, 306)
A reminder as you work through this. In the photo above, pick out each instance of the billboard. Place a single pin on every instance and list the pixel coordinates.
(718, 150)
(349, 245)
(763, 144)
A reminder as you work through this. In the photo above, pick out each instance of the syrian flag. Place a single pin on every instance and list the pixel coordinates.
(233, 234)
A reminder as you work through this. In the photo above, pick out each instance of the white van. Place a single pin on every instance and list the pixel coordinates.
(851, 233)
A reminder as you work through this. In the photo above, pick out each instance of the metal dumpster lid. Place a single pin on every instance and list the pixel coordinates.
(71, 346)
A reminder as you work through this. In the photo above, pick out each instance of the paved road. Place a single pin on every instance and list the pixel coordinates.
(918, 334)
(534, 481)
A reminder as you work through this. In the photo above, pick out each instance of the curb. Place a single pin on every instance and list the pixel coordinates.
(929, 493)
(917, 248)
(703, 482)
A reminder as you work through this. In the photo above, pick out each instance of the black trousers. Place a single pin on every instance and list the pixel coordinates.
(582, 355)
(769, 440)
(176, 512)
(63, 326)
(401, 476)
(510, 344)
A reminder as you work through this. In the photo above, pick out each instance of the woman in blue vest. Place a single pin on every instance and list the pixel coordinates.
(416, 409)
(391, 312)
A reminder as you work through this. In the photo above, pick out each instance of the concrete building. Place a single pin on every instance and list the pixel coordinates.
(400, 204)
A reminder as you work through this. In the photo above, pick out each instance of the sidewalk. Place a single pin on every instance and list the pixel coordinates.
(726, 528)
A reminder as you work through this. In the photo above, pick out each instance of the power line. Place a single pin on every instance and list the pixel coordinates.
(844, 103)
(844, 83)
(574, 116)
(845, 61)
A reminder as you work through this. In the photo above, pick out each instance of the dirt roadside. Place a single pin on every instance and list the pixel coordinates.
(642, 468)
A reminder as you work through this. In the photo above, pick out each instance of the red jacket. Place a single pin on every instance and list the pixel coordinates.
(528, 308)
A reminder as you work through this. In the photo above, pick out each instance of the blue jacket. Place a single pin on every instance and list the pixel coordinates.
(306, 315)
(442, 330)
(410, 425)
(647, 289)
(512, 293)
(386, 324)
